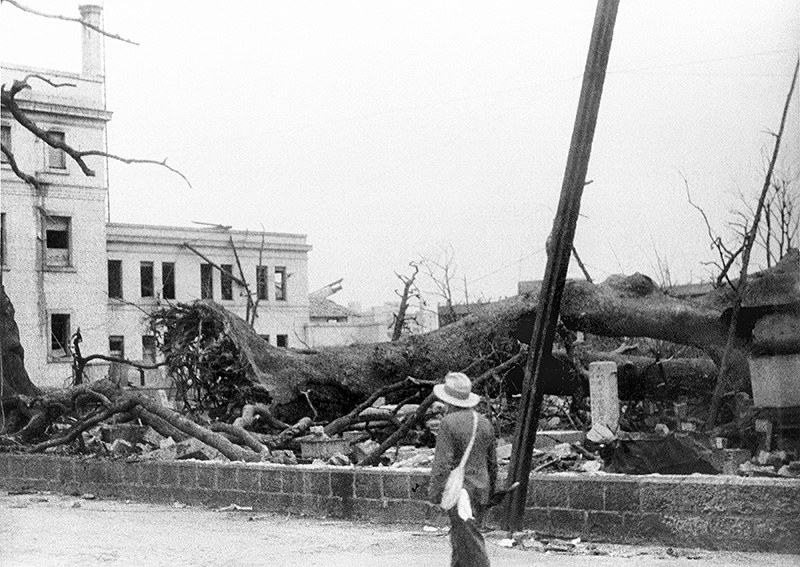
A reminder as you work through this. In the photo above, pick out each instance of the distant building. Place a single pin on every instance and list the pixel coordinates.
(64, 267)
(331, 324)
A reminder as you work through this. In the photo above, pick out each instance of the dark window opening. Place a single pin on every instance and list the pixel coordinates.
(280, 284)
(262, 291)
(59, 335)
(146, 276)
(206, 281)
(116, 346)
(282, 340)
(168, 280)
(226, 282)
(265, 337)
(57, 240)
(115, 279)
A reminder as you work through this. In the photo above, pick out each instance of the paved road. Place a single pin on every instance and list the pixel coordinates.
(48, 530)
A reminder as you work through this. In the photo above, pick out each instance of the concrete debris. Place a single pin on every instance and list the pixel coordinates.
(121, 448)
(283, 457)
(190, 449)
(339, 459)
(363, 449)
(153, 437)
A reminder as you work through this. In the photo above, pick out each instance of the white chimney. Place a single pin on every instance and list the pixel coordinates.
(93, 60)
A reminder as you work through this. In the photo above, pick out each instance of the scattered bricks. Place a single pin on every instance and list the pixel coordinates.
(586, 495)
(396, 486)
(368, 484)
(343, 484)
(568, 523)
(605, 526)
(621, 496)
(250, 480)
(419, 486)
(317, 482)
(207, 476)
(272, 481)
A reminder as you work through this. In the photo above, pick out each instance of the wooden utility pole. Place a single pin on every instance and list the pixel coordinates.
(559, 251)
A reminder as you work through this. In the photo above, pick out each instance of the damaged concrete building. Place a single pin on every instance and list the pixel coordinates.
(66, 268)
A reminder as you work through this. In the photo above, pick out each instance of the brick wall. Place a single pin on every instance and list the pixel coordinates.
(712, 512)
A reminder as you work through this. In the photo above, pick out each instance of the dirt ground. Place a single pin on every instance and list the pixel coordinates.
(44, 530)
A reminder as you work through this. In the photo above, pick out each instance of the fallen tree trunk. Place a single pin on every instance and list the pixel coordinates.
(336, 379)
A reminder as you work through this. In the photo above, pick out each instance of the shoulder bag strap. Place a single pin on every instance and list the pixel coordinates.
(465, 456)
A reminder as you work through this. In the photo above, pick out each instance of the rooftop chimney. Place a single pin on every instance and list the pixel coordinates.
(93, 60)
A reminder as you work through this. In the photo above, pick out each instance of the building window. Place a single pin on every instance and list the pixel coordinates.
(280, 283)
(206, 281)
(57, 241)
(282, 340)
(226, 282)
(146, 277)
(56, 158)
(5, 138)
(115, 279)
(168, 280)
(265, 337)
(59, 336)
(116, 346)
(261, 282)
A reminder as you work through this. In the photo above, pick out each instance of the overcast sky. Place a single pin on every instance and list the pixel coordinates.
(389, 130)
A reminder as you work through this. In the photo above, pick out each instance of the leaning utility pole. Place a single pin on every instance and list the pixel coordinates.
(558, 256)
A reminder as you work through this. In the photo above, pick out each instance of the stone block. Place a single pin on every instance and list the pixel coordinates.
(646, 527)
(93, 472)
(396, 486)
(368, 485)
(148, 474)
(604, 394)
(621, 496)
(586, 495)
(187, 474)
(343, 484)
(605, 526)
(227, 477)
(548, 492)
(568, 523)
(774, 382)
(169, 475)
(207, 477)
(273, 481)
(292, 481)
(419, 484)
(536, 519)
(250, 480)
(317, 482)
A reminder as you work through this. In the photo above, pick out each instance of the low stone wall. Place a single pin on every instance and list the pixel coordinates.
(721, 512)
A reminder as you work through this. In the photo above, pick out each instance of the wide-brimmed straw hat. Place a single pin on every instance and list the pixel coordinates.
(457, 390)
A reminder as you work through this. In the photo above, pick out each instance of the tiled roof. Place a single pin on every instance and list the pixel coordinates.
(320, 308)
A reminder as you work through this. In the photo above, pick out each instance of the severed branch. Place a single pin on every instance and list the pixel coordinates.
(29, 179)
(9, 102)
(69, 19)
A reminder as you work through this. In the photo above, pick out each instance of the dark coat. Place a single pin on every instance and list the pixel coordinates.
(480, 473)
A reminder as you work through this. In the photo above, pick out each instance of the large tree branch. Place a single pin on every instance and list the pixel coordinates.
(9, 101)
(80, 21)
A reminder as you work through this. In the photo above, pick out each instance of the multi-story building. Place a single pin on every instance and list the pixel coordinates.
(65, 268)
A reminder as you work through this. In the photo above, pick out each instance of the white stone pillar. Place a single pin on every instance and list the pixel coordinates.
(93, 59)
(604, 394)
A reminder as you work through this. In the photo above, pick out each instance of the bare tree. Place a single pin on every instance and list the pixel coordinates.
(410, 291)
(441, 272)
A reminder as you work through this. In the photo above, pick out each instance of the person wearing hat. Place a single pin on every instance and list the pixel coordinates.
(480, 471)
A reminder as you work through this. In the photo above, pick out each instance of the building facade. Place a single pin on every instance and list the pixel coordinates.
(65, 268)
